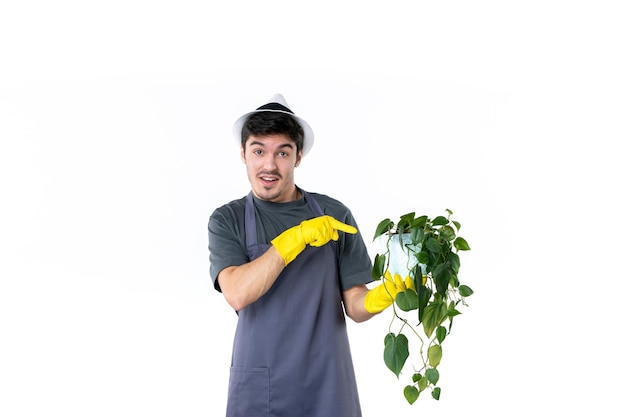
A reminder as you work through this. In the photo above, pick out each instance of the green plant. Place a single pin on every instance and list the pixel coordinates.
(426, 250)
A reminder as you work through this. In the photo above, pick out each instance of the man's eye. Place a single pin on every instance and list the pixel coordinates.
(257, 152)
(282, 153)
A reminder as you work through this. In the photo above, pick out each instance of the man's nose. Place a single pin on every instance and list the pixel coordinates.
(269, 162)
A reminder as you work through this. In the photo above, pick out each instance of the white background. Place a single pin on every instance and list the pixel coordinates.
(116, 146)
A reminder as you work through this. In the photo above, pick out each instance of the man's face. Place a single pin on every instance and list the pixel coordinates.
(270, 163)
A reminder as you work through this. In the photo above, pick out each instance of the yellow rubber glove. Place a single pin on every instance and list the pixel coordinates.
(379, 298)
(315, 232)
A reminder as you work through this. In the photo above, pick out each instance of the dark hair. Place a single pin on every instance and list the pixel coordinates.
(272, 123)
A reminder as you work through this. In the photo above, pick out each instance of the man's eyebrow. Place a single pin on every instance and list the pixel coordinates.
(284, 145)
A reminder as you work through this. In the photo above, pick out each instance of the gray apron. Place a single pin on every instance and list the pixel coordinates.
(291, 356)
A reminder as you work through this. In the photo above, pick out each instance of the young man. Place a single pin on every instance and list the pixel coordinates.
(290, 263)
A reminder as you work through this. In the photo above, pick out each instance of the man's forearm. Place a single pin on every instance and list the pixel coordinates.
(242, 285)
(353, 299)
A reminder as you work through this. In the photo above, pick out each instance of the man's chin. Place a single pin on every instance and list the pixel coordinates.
(273, 194)
(267, 194)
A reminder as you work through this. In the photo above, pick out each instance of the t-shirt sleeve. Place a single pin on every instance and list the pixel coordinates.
(355, 264)
(225, 245)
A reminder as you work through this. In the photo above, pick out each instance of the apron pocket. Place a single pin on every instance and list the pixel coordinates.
(248, 392)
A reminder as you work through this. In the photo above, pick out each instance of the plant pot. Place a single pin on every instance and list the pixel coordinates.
(402, 259)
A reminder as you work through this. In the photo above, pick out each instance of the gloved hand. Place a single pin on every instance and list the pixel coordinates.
(315, 232)
(379, 298)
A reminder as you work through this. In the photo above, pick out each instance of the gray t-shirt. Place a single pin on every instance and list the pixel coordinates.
(227, 237)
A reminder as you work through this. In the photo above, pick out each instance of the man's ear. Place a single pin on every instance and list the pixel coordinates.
(243, 155)
(298, 158)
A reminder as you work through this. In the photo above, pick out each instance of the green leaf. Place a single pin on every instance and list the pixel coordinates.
(461, 244)
(434, 314)
(440, 221)
(441, 334)
(423, 258)
(433, 375)
(417, 377)
(411, 393)
(378, 270)
(396, 352)
(447, 232)
(442, 275)
(417, 235)
(423, 295)
(434, 355)
(406, 220)
(422, 384)
(455, 262)
(454, 281)
(436, 393)
(408, 217)
(419, 222)
(433, 245)
(465, 291)
(407, 300)
(383, 227)
(457, 225)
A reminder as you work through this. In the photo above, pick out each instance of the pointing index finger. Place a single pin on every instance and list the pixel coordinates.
(343, 227)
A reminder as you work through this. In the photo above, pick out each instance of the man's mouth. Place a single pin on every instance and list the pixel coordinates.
(269, 179)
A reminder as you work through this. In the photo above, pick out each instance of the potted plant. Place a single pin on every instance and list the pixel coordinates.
(422, 252)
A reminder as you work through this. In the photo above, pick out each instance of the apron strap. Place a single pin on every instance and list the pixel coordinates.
(250, 222)
(317, 210)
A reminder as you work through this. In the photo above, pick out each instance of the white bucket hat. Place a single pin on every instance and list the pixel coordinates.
(277, 104)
